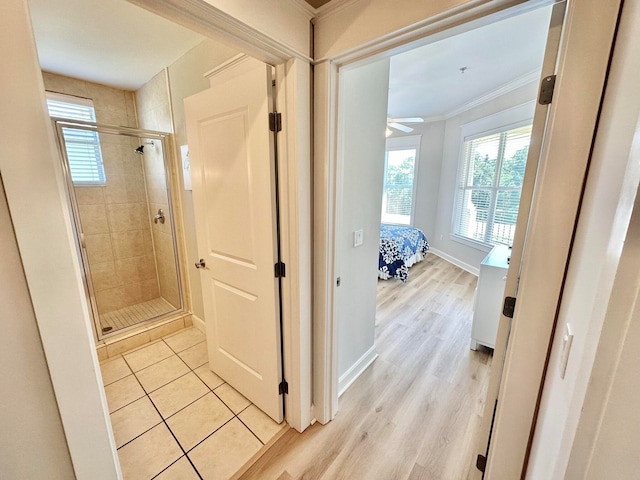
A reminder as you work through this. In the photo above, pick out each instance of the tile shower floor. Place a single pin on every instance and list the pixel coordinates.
(128, 316)
(175, 419)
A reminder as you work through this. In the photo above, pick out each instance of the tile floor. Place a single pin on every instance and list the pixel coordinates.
(173, 418)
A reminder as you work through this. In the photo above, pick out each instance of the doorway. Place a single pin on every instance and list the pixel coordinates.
(476, 118)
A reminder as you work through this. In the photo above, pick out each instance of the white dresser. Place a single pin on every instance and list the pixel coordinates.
(489, 294)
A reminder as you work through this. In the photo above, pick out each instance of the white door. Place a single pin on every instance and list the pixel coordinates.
(232, 164)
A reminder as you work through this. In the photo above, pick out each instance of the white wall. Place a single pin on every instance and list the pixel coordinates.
(186, 77)
(361, 153)
(608, 202)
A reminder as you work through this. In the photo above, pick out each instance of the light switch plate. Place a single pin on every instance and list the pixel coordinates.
(567, 341)
(358, 238)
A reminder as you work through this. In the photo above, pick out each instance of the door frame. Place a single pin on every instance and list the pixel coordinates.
(542, 271)
(292, 96)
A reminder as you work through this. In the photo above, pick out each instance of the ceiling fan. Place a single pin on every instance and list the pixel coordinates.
(399, 123)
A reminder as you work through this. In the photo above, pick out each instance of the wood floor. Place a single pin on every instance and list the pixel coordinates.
(415, 413)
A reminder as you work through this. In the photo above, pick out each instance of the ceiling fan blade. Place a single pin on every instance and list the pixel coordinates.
(399, 126)
(407, 120)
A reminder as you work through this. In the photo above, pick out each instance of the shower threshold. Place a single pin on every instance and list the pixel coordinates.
(134, 314)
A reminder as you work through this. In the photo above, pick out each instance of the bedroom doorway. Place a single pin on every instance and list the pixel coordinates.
(367, 92)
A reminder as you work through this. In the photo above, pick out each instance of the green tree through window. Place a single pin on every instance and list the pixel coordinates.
(490, 183)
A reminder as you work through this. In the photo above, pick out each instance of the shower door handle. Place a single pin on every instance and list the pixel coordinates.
(200, 263)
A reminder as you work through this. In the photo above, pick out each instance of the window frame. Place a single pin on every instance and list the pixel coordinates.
(404, 142)
(99, 161)
(503, 121)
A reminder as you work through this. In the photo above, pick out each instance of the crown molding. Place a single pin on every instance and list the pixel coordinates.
(526, 79)
(329, 9)
(207, 20)
(309, 11)
(226, 65)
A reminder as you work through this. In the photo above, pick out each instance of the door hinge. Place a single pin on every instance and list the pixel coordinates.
(275, 122)
(546, 90)
(509, 306)
(280, 270)
(481, 463)
(283, 387)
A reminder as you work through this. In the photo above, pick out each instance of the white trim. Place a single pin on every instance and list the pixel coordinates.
(472, 14)
(357, 369)
(331, 8)
(203, 18)
(458, 263)
(525, 79)
(227, 65)
(305, 8)
(199, 324)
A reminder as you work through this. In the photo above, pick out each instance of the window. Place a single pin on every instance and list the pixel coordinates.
(489, 185)
(400, 166)
(83, 146)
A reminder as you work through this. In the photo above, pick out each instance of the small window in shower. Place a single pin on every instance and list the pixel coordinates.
(83, 146)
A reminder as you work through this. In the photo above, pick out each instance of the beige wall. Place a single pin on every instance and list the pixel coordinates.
(154, 113)
(32, 441)
(115, 217)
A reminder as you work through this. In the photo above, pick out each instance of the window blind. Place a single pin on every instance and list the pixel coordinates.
(82, 146)
(490, 182)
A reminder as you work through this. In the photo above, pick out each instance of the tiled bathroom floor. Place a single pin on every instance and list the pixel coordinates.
(173, 418)
(128, 316)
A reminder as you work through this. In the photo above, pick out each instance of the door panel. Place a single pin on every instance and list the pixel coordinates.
(231, 151)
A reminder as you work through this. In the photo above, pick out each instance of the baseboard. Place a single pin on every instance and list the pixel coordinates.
(350, 376)
(455, 261)
(199, 324)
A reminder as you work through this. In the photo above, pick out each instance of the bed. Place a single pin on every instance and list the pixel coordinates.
(400, 247)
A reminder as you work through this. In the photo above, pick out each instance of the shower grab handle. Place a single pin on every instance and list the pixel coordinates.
(159, 217)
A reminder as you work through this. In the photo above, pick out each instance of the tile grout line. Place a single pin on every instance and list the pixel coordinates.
(163, 420)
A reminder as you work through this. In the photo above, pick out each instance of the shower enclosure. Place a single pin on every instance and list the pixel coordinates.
(121, 203)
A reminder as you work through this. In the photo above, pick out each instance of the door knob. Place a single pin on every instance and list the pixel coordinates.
(200, 263)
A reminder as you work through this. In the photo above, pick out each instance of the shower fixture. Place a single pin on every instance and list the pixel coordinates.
(140, 149)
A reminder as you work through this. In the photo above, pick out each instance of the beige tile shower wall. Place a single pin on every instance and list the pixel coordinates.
(154, 113)
(115, 218)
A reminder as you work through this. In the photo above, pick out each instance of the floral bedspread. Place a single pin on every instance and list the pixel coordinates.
(400, 247)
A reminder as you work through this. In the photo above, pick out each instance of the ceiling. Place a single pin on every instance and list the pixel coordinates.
(106, 41)
(119, 44)
(427, 81)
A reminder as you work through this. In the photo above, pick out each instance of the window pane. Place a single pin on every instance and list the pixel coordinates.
(85, 156)
(482, 158)
(474, 207)
(515, 157)
(506, 215)
(489, 186)
(82, 146)
(398, 186)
